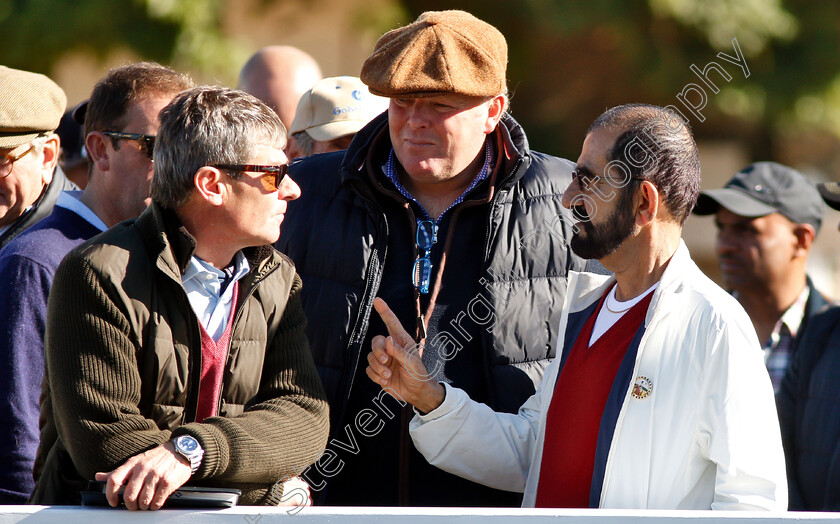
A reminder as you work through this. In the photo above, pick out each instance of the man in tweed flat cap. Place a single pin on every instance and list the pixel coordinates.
(439, 207)
(31, 106)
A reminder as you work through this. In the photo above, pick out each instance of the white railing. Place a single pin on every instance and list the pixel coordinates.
(334, 515)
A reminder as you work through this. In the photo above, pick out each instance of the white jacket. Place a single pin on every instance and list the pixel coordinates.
(706, 436)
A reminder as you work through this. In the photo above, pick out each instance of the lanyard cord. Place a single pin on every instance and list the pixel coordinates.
(421, 333)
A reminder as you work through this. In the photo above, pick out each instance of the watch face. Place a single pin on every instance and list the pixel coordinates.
(187, 443)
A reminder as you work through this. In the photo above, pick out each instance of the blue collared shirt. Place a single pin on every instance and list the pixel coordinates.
(203, 284)
(390, 170)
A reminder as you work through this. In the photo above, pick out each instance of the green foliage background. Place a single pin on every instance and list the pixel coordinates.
(569, 60)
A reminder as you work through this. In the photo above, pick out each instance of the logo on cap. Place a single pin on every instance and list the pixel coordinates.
(642, 388)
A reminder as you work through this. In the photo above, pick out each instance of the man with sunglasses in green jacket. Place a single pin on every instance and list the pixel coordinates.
(175, 348)
(120, 127)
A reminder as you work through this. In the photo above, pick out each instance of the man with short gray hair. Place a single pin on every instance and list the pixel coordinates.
(439, 206)
(123, 112)
(175, 344)
(31, 106)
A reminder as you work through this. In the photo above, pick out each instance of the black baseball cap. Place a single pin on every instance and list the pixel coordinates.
(80, 111)
(763, 188)
(830, 192)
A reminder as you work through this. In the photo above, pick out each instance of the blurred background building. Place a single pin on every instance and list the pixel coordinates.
(568, 62)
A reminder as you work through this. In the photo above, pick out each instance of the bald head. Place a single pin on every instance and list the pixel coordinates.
(279, 75)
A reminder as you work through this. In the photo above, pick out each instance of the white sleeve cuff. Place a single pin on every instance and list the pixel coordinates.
(454, 398)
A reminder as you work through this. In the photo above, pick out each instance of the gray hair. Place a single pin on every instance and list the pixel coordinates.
(208, 125)
(305, 142)
(40, 141)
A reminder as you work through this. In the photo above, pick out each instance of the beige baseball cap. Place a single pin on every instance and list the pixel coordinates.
(335, 107)
(30, 104)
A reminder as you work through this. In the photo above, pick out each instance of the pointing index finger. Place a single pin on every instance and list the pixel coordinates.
(395, 329)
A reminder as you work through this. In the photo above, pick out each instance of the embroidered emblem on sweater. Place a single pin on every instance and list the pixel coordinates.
(642, 388)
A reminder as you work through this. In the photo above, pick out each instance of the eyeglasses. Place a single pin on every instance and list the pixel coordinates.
(7, 161)
(146, 142)
(272, 175)
(421, 273)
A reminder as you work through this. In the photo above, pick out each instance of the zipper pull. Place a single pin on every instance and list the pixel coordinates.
(421, 326)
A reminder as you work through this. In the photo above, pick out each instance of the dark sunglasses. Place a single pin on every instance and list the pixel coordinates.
(271, 178)
(421, 273)
(146, 142)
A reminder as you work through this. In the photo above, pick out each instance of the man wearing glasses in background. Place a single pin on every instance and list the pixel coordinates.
(439, 207)
(175, 346)
(120, 127)
(31, 106)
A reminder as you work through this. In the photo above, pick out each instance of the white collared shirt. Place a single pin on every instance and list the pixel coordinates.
(203, 283)
(70, 200)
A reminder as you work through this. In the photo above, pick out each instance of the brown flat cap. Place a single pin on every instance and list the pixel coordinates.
(30, 104)
(441, 52)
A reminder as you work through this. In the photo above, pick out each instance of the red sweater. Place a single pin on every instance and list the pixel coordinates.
(574, 415)
(213, 356)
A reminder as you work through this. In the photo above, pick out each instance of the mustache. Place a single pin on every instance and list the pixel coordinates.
(580, 214)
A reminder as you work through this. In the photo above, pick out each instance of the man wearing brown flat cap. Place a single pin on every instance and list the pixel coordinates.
(31, 106)
(440, 208)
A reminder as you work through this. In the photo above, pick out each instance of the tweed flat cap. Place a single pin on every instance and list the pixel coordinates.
(30, 104)
(441, 52)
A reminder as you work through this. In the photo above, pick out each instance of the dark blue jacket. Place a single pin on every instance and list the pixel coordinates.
(350, 236)
(809, 414)
(27, 267)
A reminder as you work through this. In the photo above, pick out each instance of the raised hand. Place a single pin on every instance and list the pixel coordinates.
(394, 363)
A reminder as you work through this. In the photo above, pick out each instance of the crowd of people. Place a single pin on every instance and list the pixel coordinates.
(308, 285)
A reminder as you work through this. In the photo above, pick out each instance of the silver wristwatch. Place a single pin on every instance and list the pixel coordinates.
(188, 447)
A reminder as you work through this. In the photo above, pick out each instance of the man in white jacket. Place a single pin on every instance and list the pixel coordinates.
(658, 396)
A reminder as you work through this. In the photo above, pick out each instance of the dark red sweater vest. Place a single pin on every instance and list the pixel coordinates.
(574, 415)
(213, 357)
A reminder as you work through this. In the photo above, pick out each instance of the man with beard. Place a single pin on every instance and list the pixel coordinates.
(658, 397)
